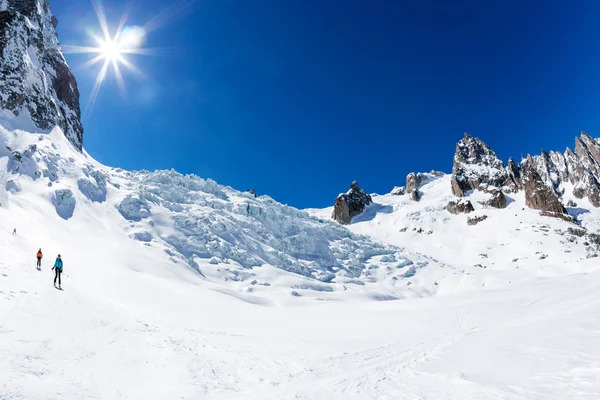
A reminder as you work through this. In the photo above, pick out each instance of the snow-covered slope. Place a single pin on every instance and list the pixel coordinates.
(177, 287)
(509, 238)
(191, 223)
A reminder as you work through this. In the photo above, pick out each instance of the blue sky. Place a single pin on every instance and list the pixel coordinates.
(298, 99)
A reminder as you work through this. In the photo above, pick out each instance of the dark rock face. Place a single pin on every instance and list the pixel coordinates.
(35, 80)
(461, 206)
(514, 173)
(350, 204)
(589, 151)
(413, 183)
(476, 166)
(580, 168)
(538, 195)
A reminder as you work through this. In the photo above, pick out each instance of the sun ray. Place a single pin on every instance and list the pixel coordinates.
(71, 49)
(142, 52)
(93, 61)
(119, 77)
(99, 9)
(131, 67)
(168, 14)
(123, 21)
(97, 85)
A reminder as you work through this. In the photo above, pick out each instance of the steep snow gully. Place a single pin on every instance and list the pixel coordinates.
(480, 284)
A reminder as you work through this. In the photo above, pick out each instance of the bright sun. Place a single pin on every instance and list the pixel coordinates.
(110, 50)
(114, 51)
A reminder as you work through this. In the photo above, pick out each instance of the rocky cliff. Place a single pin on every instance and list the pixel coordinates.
(35, 80)
(351, 204)
(544, 178)
(476, 166)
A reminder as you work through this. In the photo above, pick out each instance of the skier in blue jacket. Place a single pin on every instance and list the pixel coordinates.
(58, 269)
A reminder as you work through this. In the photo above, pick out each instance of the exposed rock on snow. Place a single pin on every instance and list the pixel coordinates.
(588, 151)
(564, 217)
(477, 219)
(538, 195)
(581, 177)
(414, 181)
(476, 166)
(497, 198)
(398, 191)
(350, 204)
(35, 80)
(514, 174)
(461, 206)
(547, 170)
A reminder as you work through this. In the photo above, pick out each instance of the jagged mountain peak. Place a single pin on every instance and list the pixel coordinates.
(471, 150)
(476, 166)
(39, 91)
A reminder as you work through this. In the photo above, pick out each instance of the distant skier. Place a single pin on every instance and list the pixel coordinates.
(15, 232)
(58, 269)
(39, 256)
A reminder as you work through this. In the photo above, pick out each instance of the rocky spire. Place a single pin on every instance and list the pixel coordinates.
(585, 183)
(538, 195)
(560, 165)
(514, 173)
(476, 166)
(547, 170)
(588, 151)
(35, 80)
(351, 204)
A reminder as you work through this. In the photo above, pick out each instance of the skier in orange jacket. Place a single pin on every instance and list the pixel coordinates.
(39, 256)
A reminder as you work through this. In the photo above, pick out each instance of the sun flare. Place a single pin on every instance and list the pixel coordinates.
(110, 50)
(113, 48)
